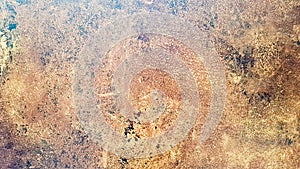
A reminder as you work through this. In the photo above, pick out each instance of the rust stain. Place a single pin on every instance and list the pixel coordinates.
(258, 42)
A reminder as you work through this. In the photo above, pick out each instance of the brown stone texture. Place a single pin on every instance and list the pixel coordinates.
(257, 41)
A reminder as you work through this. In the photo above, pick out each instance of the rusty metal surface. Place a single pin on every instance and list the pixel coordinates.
(149, 84)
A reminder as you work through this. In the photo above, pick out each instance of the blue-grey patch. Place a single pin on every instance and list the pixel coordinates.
(12, 26)
(57, 2)
(115, 4)
(24, 2)
(176, 5)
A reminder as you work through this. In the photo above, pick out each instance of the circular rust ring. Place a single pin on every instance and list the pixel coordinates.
(97, 48)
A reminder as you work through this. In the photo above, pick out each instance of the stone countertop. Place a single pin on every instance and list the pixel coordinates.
(257, 42)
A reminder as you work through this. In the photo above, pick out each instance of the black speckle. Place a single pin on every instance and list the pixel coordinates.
(262, 97)
(211, 23)
(288, 141)
(55, 161)
(215, 17)
(10, 56)
(111, 112)
(44, 61)
(86, 156)
(48, 53)
(205, 27)
(20, 152)
(9, 145)
(9, 44)
(247, 25)
(67, 166)
(137, 137)
(129, 129)
(138, 114)
(17, 163)
(28, 164)
(55, 101)
(244, 92)
(123, 161)
(238, 63)
(24, 129)
(79, 137)
(143, 38)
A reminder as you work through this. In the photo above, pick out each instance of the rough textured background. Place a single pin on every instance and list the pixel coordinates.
(257, 40)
